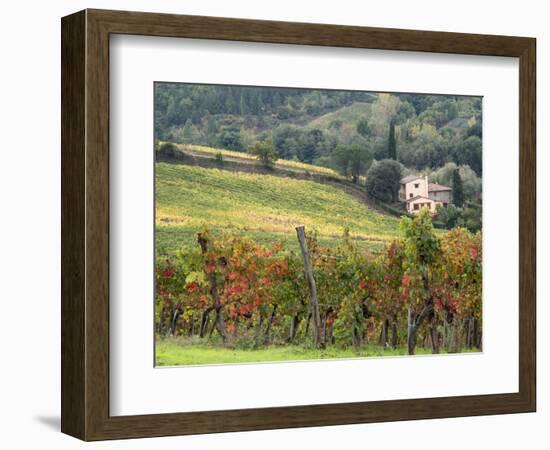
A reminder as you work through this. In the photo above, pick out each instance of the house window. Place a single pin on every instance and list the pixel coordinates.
(416, 206)
(416, 185)
(411, 195)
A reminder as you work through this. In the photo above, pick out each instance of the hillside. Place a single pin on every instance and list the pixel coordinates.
(243, 106)
(266, 208)
(308, 125)
(202, 151)
(347, 115)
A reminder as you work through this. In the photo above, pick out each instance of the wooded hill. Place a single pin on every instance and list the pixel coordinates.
(307, 125)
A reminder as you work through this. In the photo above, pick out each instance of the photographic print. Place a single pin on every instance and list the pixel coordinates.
(306, 224)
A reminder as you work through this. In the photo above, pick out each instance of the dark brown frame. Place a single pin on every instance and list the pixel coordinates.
(85, 224)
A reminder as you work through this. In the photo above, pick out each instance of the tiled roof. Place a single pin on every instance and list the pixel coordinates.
(410, 178)
(417, 197)
(434, 187)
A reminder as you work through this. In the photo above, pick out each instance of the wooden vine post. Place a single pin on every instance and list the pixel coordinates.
(318, 335)
(211, 276)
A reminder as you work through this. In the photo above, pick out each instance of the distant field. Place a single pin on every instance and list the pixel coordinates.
(264, 207)
(173, 352)
(282, 163)
(349, 115)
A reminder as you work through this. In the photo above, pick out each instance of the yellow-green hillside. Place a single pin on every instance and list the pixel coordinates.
(230, 155)
(348, 115)
(264, 207)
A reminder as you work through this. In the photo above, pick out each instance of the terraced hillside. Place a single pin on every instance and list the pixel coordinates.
(201, 151)
(265, 207)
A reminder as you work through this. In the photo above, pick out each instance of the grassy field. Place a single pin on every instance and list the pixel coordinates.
(349, 115)
(264, 207)
(172, 352)
(230, 155)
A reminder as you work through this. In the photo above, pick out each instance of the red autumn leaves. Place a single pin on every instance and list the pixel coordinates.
(358, 290)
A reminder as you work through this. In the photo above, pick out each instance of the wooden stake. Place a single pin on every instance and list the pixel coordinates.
(319, 341)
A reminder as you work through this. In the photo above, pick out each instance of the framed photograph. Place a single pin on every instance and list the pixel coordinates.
(273, 225)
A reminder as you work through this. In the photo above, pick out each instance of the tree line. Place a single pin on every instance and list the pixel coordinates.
(420, 131)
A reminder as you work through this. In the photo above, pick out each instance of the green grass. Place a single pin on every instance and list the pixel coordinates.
(264, 207)
(349, 115)
(174, 352)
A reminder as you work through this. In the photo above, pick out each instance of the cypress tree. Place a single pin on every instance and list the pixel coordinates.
(458, 191)
(392, 145)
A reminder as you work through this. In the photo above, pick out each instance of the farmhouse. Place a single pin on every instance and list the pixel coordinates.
(417, 193)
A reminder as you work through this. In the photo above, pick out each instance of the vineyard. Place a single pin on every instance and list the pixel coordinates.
(282, 233)
(263, 207)
(229, 155)
(224, 290)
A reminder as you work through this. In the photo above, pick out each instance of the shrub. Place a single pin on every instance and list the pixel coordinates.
(167, 150)
(265, 152)
(383, 180)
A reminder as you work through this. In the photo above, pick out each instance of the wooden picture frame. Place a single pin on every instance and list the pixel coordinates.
(85, 224)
